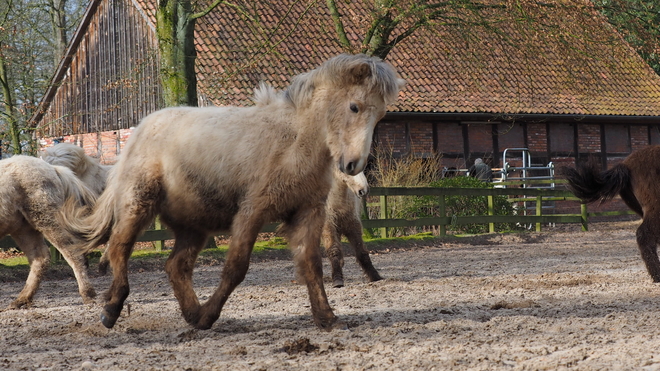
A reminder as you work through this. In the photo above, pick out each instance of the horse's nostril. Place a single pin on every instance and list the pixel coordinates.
(361, 193)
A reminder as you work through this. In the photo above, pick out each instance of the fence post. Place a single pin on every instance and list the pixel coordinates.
(158, 245)
(539, 211)
(583, 212)
(55, 254)
(383, 215)
(443, 213)
(491, 212)
(365, 215)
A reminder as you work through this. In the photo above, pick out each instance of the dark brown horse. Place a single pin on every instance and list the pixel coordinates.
(636, 181)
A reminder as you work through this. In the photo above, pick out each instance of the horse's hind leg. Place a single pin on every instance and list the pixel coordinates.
(120, 246)
(77, 262)
(332, 243)
(179, 268)
(245, 228)
(353, 231)
(33, 245)
(304, 235)
(79, 265)
(648, 236)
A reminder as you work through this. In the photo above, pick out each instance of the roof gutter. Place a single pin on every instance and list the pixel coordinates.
(527, 117)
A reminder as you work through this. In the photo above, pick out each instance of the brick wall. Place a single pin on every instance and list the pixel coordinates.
(639, 137)
(450, 138)
(105, 146)
(390, 136)
(589, 138)
(421, 139)
(537, 138)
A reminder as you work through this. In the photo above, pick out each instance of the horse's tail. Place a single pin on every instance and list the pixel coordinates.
(91, 228)
(590, 184)
(75, 190)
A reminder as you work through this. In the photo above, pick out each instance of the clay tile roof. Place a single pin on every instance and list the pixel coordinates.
(569, 62)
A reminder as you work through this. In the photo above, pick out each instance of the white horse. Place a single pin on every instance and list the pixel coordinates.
(31, 194)
(343, 218)
(217, 168)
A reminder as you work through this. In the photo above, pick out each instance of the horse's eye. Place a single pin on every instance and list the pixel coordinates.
(354, 108)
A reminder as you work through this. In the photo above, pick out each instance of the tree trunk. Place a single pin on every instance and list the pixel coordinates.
(10, 111)
(176, 43)
(58, 20)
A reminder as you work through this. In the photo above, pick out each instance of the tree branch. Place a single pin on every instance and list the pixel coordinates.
(339, 25)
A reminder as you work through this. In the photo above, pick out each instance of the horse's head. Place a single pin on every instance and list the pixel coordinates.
(349, 94)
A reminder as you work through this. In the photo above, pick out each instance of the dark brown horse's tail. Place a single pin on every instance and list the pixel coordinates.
(589, 184)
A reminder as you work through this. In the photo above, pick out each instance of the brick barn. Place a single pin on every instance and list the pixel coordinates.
(471, 92)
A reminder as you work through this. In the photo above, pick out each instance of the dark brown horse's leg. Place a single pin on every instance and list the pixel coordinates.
(245, 229)
(647, 241)
(179, 268)
(304, 235)
(353, 231)
(33, 245)
(332, 243)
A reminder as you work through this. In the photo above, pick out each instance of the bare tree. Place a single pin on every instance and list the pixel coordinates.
(33, 37)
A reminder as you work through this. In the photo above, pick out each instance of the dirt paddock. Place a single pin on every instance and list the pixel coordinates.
(565, 300)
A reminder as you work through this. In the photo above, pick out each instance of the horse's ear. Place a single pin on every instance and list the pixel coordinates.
(359, 73)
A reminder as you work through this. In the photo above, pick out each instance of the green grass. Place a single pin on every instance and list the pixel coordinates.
(273, 245)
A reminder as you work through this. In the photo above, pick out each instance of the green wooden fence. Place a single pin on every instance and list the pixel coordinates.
(384, 221)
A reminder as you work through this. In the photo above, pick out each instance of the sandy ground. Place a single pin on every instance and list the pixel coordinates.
(550, 301)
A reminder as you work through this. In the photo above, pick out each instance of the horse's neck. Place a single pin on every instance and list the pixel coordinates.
(310, 147)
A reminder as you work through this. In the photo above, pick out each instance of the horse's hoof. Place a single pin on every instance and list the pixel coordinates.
(340, 325)
(89, 296)
(107, 320)
(203, 326)
(18, 304)
(338, 283)
(375, 278)
(326, 324)
(206, 321)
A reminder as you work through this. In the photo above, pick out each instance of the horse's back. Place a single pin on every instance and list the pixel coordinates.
(203, 159)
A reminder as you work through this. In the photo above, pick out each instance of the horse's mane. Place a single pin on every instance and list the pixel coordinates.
(345, 70)
(86, 168)
(265, 95)
(69, 156)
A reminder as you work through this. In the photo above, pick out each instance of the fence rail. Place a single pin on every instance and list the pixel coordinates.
(384, 221)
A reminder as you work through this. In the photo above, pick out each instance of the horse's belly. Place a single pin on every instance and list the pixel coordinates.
(205, 215)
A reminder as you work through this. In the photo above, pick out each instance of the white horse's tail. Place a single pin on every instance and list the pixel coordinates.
(91, 229)
(74, 190)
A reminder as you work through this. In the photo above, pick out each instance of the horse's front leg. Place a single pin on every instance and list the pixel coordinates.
(353, 232)
(304, 236)
(245, 228)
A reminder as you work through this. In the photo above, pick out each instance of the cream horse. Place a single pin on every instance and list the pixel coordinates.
(236, 168)
(343, 218)
(31, 193)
